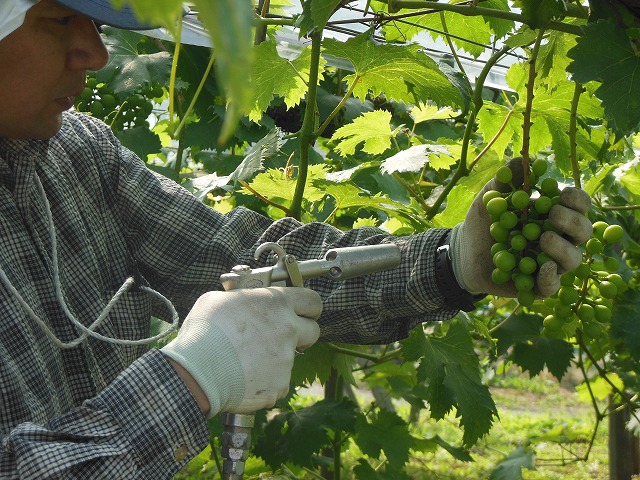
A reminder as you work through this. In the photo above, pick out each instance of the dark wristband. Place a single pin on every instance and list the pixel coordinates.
(454, 295)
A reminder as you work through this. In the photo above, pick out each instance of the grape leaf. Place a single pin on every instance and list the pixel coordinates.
(364, 471)
(413, 159)
(230, 25)
(552, 61)
(154, 12)
(277, 184)
(387, 432)
(424, 112)
(317, 363)
(521, 337)
(490, 119)
(539, 12)
(624, 323)
(555, 354)
(401, 73)
(128, 69)
(450, 365)
(273, 75)
(372, 128)
(511, 467)
(501, 27)
(469, 33)
(140, 140)
(297, 435)
(605, 54)
(315, 14)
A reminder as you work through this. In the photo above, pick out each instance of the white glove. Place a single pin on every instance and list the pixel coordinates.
(239, 345)
(471, 241)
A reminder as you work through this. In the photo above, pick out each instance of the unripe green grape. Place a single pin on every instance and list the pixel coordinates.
(562, 310)
(613, 234)
(608, 289)
(543, 204)
(526, 298)
(602, 313)
(592, 329)
(500, 277)
(549, 187)
(539, 167)
(585, 312)
(611, 264)
(523, 282)
(490, 195)
(97, 109)
(520, 199)
(505, 261)
(607, 302)
(554, 334)
(497, 206)
(568, 295)
(91, 82)
(583, 271)
(498, 232)
(157, 91)
(566, 280)
(527, 265)
(508, 219)
(618, 281)
(518, 242)
(553, 322)
(594, 246)
(87, 94)
(531, 231)
(496, 247)
(109, 101)
(543, 258)
(598, 229)
(504, 174)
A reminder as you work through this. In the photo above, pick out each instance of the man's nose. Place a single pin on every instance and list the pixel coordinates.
(86, 50)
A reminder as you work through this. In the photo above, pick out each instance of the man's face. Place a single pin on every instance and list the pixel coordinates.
(42, 68)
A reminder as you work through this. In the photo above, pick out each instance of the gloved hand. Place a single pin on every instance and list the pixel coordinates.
(239, 345)
(471, 241)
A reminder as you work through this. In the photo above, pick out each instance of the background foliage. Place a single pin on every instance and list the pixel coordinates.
(403, 142)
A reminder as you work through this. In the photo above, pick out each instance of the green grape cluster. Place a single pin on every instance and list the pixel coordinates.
(119, 111)
(518, 219)
(585, 299)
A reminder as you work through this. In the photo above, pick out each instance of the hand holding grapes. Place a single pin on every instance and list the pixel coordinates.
(514, 244)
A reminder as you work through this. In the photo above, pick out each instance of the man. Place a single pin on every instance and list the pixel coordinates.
(80, 395)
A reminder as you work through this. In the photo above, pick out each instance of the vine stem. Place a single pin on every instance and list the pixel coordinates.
(471, 10)
(477, 103)
(366, 356)
(445, 29)
(261, 197)
(307, 137)
(196, 95)
(172, 79)
(603, 374)
(493, 140)
(573, 132)
(526, 122)
(336, 110)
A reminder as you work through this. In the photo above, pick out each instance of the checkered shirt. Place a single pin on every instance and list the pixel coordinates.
(116, 412)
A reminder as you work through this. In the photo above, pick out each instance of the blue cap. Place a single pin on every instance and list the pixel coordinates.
(103, 12)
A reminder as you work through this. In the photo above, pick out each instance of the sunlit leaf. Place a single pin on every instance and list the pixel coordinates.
(372, 129)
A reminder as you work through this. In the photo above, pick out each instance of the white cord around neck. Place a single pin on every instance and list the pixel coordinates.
(90, 330)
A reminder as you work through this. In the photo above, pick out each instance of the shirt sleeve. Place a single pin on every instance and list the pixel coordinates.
(144, 425)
